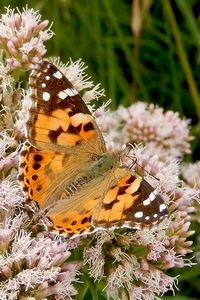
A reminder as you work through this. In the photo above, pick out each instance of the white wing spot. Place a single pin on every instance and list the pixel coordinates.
(155, 215)
(74, 91)
(71, 92)
(162, 207)
(58, 74)
(147, 218)
(146, 202)
(47, 77)
(155, 222)
(138, 214)
(62, 95)
(43, 85)
(153, 195)
(46, 96)
(67, 93)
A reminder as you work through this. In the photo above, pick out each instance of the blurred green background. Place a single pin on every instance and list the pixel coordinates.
(138, 50)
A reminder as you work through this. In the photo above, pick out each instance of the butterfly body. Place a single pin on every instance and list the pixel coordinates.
(66, 169)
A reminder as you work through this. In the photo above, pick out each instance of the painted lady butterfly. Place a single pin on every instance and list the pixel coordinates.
(66, 169)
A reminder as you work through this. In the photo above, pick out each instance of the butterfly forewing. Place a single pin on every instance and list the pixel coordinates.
(59, 118)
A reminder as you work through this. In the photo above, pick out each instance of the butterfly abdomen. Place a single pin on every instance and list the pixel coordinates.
(75, 186)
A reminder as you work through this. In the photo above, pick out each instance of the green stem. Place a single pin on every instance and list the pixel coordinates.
(92, 287)
(82, 290)
(183, 57)
(86, 283)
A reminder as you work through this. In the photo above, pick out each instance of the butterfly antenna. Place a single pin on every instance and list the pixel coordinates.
(130, 147)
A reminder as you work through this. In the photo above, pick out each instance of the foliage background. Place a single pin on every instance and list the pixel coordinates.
(139, 50)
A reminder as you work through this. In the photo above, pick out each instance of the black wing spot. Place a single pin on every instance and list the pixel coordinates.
(21, 177)
(65, 220)
(22, 165)
(71, 129)
(35, 177)
(38, 157)
(24, 152)
(25, 188)
(131, 180)
(121, 191)
(39, 187)
(73, 223)
(84, 220)
(54, 134)
(79, 127)
(110, 205)
(78, 143)
(89, 126)
(36, 166)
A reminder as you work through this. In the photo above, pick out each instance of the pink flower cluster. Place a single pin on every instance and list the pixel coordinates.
(22, 37)
(149, 125)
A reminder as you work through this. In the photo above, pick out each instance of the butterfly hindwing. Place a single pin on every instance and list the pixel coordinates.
(132, 203)
(39, 171)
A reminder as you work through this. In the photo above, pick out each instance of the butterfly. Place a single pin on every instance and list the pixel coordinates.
(66, 169)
